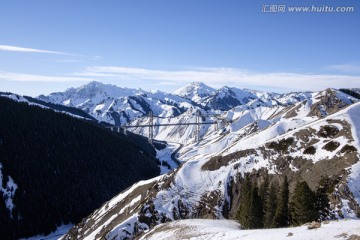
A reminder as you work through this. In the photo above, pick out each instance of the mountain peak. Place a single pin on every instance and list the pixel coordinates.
(199, 84)
(95, 85)
(94, 91)
(195, 91)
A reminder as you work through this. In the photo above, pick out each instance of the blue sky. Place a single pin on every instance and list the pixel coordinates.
(48, 46)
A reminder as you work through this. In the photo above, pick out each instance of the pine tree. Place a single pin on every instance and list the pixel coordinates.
(5, 218)
(271, 205)
(250, 213)
(303, 204)
(282, 218)
(264, 187)
(256, 209)
(264, 194)
(244, 213)
(322, 200)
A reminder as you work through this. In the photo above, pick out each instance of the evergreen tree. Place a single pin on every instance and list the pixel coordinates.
(5, 218)
(244, 212)
(322, 200)
(271, 205)
(282, 218)
(303, 204)
(264, 194)
(250, 213)
(256, 211)
(264, 187)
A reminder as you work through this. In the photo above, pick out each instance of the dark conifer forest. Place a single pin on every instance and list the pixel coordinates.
(64, 167)
(271, 206)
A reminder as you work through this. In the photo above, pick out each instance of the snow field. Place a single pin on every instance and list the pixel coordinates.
(196, 229)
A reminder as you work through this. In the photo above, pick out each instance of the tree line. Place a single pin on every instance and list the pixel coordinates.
(270, 205)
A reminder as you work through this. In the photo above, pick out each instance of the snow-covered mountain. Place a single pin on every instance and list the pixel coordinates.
(303, 136)
(195, 91)
(118, 106)
(249, 110)
(227, 98)
(288, 111)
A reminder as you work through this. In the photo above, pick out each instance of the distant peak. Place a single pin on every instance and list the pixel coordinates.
(200, 85)
(196, 84)
(195, 91)
(95, 85)
(96, 82)
(92, 84)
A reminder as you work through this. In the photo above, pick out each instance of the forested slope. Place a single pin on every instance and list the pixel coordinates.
(56, 169)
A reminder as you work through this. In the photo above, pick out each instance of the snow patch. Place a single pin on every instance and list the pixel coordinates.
(8, 192)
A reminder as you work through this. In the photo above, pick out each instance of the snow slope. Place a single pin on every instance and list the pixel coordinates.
(354, 178)
(165, 156)
(197, 229)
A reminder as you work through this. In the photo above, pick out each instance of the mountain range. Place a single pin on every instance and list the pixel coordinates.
(301, 135)
(119, 106)
(247, 134)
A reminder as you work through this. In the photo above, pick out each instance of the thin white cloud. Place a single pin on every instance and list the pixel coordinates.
(218, 77)
(28, 50)
(345, 68)
(97, 57)
(18, 77)
(33, 50)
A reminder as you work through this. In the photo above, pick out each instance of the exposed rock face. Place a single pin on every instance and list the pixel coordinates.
(330, 102)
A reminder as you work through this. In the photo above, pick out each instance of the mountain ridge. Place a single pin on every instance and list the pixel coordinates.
(120, 106)
(308, 135)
